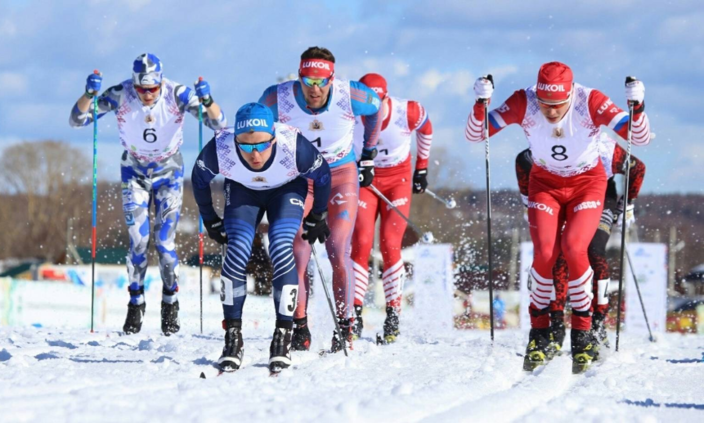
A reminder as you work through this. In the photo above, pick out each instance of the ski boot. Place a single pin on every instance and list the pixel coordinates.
(231, 358)
(280, 349)
(599, 330)
(170, 322)
(536, 352)
(557, 334)
(300, 340)
(583, 350)
(339, 342)
(391, 323)
(358, 323)
(135, 317)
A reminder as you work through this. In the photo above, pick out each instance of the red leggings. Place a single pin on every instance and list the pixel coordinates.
(552, 201)
(342, 213)
(395, 184)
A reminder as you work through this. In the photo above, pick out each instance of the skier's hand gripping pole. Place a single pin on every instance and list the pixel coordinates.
(488, 206)
(200, 218)
(94, 235)
(426, 237)
(631, 106)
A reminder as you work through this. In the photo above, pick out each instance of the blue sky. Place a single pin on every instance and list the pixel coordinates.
(429, 51)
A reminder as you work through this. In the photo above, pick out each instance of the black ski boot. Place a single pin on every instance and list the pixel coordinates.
(135, 317)
(358, 323)
(391, 331)
(231, 358)
(280, 349)
(301, 335)
(557, 334)
(599, 330)
(339, 343)
(536, 352)
(170, 322)
(583, 350)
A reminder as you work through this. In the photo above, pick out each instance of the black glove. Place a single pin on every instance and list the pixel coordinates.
(366, 167)
(420, 181)
(315, 227)
(216, 230)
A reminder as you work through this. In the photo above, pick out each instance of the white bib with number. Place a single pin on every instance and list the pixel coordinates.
(282, 170)
(154, 133)
(568, 147)
(334, 126)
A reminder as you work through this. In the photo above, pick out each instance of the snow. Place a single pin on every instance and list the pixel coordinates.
(72, 375)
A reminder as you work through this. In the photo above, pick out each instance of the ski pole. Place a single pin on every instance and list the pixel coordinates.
(426, 237)
(327, 294)
(623, 216)
(449, 203)
(488, 210)
(200, 218)
(94, 236)
(640, 297)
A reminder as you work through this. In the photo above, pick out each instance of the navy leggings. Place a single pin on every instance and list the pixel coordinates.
(244, 209)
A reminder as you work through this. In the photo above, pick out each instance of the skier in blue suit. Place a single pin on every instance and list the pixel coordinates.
(265, 169)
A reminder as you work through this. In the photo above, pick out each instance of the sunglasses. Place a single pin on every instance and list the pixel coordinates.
(552, 106)
(259, 147)
(320, 82)
(143, 90)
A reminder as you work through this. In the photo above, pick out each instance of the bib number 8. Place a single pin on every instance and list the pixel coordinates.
(558, 153)
(149, 135)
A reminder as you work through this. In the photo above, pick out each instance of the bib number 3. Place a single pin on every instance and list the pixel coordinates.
(558, 153)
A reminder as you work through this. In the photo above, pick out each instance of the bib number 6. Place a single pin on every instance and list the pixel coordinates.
(149, 135)
(558, 153)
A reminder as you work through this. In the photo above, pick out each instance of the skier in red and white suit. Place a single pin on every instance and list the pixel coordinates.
(613, 157)
(561, 120)
(393, 179)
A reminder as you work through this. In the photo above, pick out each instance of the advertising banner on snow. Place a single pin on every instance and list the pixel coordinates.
(650, 266)
(434, 284)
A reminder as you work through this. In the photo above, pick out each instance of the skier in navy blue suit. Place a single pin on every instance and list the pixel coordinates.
(265, 169)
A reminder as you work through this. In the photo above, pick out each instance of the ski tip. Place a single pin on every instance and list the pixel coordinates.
(202, 375)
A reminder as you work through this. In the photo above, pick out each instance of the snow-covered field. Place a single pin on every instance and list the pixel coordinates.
(57, 375)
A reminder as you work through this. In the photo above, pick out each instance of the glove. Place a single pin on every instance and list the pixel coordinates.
(630, 215)
(635, 91)
(93, 83)
(203, 92)
(484, 88)
(420, 182)
(366, 167)
(216, 230)
(315, 227)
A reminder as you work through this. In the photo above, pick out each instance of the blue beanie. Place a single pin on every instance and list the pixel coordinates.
(146, 70)
(254, 117)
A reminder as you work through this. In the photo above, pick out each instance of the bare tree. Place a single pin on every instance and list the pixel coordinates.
(44, 184)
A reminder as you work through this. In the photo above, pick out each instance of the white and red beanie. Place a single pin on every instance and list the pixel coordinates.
(316, 68)
(376, 82)
(554, 83)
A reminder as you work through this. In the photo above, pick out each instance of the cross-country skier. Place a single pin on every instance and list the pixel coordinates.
(150, 111)
(324, 107)
(393, 179)
(264, 167)
(561, 120)
(613, 157)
